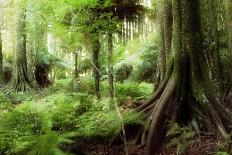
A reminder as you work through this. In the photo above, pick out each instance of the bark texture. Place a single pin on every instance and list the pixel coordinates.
(216, 63)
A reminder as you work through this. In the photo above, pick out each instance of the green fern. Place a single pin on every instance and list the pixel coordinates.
(181, 137)
(104, 123)
(26, 129)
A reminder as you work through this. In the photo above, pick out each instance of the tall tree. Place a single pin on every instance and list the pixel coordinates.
(165, 34)
(20, 80)
(110, 65)
(167, 15)
(162, 54)
(95, 63)
(178, 94)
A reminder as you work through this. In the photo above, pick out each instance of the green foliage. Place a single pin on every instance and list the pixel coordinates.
(62, 85)
(123, 71)
(82, 3)
(48, 145)
(222, 153)
(19, 97)
(21, 126)
(42, 125)
(137, 91)
(181, 137)
(67, 108)
(104, 123)
(143, 72)
(87, 85)
(3, 99)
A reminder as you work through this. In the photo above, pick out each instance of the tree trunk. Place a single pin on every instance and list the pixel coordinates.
(229, 22)
(96, 68)
(165, 33)
(76, 75)
(176, 97)
(110, 65)
(228, 93)
(167, 26)
(162, 54)
(20, 80)
(160, 112)
(217, 69)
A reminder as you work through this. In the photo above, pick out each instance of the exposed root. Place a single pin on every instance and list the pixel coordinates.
(18, 86)
(159, 116)
(170, 102)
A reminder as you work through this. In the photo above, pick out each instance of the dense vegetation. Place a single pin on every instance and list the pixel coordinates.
(115, 77)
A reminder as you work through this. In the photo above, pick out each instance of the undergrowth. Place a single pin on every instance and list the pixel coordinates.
(35, 124)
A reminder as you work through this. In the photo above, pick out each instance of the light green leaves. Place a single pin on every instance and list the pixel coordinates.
(82, 3)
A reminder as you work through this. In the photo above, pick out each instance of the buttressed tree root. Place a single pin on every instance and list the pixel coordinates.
(177, 97)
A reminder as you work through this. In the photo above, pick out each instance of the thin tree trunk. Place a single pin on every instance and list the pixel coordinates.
(96, 69)
(76, 65)
(110, 65)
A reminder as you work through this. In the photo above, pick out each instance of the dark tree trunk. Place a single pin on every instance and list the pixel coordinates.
(217, 69)
(110, 65)
(96, 68)
(76, 75)
(228, 91)
(20, 80)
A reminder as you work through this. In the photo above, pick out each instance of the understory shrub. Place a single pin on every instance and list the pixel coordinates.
(26, 129)
(67, 107)
(136, 91)
(104, 123)
(40, 124)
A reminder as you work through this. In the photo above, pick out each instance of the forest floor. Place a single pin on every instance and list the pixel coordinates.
(204, 145)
